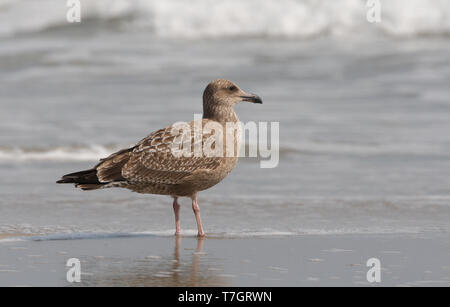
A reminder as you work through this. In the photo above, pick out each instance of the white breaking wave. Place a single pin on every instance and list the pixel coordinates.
(97, 152)
(89, 153)
(233, 18)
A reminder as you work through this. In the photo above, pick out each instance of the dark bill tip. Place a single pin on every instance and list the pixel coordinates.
(252, 98)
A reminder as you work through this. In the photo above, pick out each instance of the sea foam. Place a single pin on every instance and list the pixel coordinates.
(199, 19)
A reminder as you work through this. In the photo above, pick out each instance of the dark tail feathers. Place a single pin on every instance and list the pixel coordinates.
(109, 169)
(84, 177)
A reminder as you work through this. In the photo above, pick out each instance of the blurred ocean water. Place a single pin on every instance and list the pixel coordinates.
(199, 19)
(364, 111)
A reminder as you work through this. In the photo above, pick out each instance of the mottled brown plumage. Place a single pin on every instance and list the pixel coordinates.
(151, 166)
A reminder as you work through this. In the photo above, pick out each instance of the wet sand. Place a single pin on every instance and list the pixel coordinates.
(313, 260)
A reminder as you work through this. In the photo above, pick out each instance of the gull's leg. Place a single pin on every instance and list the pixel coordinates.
(176, 211)
(196, 209)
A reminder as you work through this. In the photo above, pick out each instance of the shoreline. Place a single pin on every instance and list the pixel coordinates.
(309, 260)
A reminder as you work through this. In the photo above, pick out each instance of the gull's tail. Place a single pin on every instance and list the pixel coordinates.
(108, 171)
(86, 180)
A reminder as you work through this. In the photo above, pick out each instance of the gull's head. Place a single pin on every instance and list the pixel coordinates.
(225, 93)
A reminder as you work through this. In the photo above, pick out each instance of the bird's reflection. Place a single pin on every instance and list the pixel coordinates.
(187, 267)
(177, 266)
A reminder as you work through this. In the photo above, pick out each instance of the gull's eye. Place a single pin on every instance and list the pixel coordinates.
(232, 88)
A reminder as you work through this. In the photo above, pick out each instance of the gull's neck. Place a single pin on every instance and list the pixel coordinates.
(219, 113)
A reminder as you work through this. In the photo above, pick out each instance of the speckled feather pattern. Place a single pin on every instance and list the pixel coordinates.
(151, 167)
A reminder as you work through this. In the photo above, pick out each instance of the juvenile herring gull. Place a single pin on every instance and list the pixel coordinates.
(152, 167)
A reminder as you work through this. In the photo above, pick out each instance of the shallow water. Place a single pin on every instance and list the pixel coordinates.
(216, 261)
(364, 125)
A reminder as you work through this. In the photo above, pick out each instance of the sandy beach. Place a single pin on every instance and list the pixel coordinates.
(148, 260)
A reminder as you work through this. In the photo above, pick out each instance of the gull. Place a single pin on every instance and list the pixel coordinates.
(152, 166)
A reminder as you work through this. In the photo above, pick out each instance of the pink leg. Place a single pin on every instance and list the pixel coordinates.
(176, 211)
(196, 209)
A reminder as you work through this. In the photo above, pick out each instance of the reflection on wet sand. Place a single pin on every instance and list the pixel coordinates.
(186, 267)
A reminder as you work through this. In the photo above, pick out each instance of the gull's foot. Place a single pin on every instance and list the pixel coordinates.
(201, 235)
